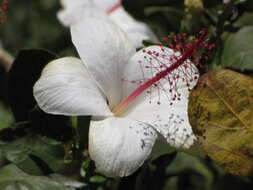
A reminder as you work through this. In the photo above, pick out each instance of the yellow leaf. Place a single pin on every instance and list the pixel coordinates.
(221, 114)
(198, 4)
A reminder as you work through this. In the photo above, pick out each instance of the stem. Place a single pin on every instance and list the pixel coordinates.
(123, 105)
(222, 18)
(220, 27)
(5, 59)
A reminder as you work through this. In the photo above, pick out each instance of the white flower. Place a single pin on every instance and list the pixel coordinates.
(75, 10)
(226, 1)
(126, 122)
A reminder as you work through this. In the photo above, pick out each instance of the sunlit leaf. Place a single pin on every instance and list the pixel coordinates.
(97, 179)
(221, 114)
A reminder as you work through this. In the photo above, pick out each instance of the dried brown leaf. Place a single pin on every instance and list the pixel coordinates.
(221, 114)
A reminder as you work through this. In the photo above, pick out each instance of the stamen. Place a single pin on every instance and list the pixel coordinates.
(163, 71)
(3, 7)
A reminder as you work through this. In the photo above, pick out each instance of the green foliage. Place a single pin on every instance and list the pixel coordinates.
(6, 117)
(36, 28)
(238, 50)
(245, 20)
(97, 179)
(31, 150)
(12, 177)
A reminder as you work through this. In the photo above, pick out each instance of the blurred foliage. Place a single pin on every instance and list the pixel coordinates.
(41, 151)
(238, 50)
(13, 178)
(36, 28)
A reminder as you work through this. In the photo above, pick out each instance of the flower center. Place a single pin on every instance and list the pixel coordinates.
(187, 52)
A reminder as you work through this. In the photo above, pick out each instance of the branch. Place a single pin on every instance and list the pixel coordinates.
(222, 18)
(5, 59)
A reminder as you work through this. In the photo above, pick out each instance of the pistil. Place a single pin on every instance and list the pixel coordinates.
(191, 50)
(114, 8)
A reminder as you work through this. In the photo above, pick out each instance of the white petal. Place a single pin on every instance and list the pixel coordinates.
(165, 110)
(75, 10)
(65, 87)
(106, 50)
(136, 30)
(105, 5)
(119, 146)
(170, 121)
(226, 1)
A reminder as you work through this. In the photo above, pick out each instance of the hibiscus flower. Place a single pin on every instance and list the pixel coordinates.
(79, 9)
(135, 98)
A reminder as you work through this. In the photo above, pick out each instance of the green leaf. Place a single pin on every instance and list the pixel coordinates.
(184, 162)
(187, 166)
(147, 43)
(245, 20)
(86, 163)
(12, 178)
(238, 50)
(168, 16)
(97, 179)
(67, 181)
(221, 114)
(85, 166)
(6, 117)
(34, 154)
(160, 149)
